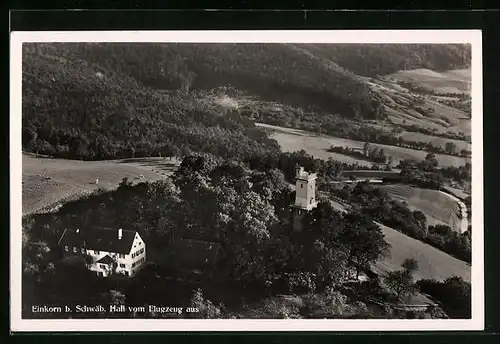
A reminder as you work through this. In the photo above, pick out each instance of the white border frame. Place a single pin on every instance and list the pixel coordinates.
(472, 37)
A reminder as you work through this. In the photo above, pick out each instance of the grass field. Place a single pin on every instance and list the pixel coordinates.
(317, 145)
(454, 81)
(433, 263)
(48, 181)
(400, 103)
(438, 207)
(436, 141)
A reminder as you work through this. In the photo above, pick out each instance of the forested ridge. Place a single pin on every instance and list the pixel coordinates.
(114, 100)
(73, 110)
(382, 59)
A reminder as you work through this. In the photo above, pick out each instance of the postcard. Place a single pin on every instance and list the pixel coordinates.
(246, 181)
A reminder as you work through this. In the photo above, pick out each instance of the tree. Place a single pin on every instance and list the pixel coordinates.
(400, 282)
(431, 161)
(373, 155)
(381, 157)
(389, 163)
(363, 239)
(410, 264)
(205, 308)
(366, 149)
(420, 219)
(450, 147)
(454, 293)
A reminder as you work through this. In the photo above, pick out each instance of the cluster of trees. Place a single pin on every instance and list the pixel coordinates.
(70, 111)
(331, 124)
(427, 174)
(370, 154)
(287, 161)
(378, 204)
(460, 104)
(448, 240)
(459, 174)
(433, 132)
(247, 211)
(449, 149)
(454, 293)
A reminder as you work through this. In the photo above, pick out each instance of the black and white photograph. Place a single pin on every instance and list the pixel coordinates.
(317, 180)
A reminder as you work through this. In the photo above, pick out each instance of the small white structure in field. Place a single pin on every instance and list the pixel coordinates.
(97, 181)
(142, 176)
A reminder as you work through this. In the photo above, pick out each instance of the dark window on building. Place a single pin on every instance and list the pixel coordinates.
(122, 265)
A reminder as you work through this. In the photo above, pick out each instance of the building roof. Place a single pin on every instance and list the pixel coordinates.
(193, 254)
(99, 239)
(106, 260)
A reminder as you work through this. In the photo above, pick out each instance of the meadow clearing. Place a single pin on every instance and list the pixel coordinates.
(292, 140)
(453, 81)
(47, 181)
(438, 207)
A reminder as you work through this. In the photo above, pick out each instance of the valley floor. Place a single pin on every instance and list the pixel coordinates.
(317, 145)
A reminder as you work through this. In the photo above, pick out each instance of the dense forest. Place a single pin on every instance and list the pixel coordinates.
(115, 100)
(71, 110)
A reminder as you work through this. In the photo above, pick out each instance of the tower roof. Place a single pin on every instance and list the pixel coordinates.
(302, 174)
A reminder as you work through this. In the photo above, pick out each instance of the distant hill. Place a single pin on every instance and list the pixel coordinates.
(73, 108)
(382, 59)
(115, 100)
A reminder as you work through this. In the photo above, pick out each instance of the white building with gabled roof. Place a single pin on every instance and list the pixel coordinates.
(106, 251)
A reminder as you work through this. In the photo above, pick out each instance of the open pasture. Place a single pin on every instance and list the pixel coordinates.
(47, 181)
(437, 206)
(292, 140)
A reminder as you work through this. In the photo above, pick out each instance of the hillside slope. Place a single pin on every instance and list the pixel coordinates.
(72, 108)
(433, 263)
(438, 207)
(49, 182)
(116, 100)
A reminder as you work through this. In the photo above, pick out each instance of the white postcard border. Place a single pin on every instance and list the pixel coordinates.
(472, 37)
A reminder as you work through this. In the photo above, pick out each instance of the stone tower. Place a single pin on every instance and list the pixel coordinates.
(305, 195)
